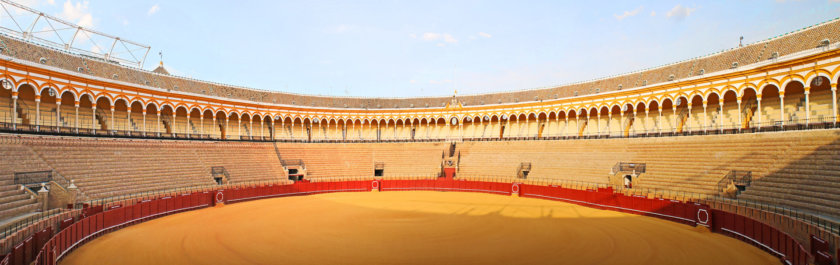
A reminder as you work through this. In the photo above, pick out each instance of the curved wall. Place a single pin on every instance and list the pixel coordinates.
(780, 46)
(797, 87)
(49, 247)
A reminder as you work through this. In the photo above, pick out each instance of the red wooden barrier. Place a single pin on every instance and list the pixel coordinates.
(191, 200)
(823, 258)
(17, 254)
(66, 223)
(170, 204)
(27, 250)
(100, 222)
(95, 220)
(818, 244)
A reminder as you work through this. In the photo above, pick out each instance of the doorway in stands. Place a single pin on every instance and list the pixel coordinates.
(628, 181)
(220, 175)
(295, 175)
(379, 169)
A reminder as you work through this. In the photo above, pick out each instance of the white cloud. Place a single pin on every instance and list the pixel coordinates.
(486, 35)
(680, 12)
(412, 81)
(154, 9)
(627, 14)
(437, 82)
(431, 36)
(51, 2)
(440, 38)
(449, 39)
(77, 13)
(412, 35)
(653, 13)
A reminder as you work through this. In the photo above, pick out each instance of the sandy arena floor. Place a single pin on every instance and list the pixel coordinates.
(414, 227)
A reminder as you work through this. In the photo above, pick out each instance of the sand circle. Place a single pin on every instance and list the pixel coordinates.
(412, 227)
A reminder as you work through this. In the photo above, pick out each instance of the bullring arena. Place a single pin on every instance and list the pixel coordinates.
(387, 227)
(727, 158)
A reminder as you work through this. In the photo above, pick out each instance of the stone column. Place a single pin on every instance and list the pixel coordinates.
(688, 124)
(598, 118)
(93, 116)
(283, 124)
(144, 121)
(621, 123)
(705, 115)
(58, 113)
(527, 127)
(720, 117)
(807, 106)
(740, 113)
(507, 127)
(659, 123)
(37, 112)
(113, 108)
(76, 122)
(566, 127)
(674, 124)
(14, 110)
(187, 126)
(157, 130)
(834, 101)
(227, 127)
(758, 109)
(782, 107)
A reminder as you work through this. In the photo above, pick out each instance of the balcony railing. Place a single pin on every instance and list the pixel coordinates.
(754, 127)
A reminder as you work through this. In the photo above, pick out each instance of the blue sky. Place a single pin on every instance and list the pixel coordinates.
(429, 48)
